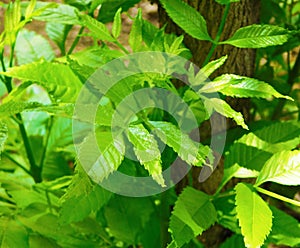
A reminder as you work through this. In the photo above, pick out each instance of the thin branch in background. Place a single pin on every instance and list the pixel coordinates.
(17, 163)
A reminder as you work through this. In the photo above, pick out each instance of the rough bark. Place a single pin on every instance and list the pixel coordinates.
(240, 61)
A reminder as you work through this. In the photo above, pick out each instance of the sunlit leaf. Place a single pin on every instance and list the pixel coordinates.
(147, 151)
(188, 18)
(282, 168)
(257, 36)
(254, 215)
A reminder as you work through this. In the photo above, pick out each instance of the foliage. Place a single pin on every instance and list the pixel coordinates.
(46, 195)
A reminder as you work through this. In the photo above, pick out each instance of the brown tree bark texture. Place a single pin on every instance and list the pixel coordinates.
(240, 61)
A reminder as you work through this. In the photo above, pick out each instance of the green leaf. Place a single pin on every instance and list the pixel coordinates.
(11, 108)
(235, 241)
(117, 25)
(30, 9)
(205, 72)
(226, 1)
(110, 7)
(3, 135)
(224, 109)
(208, 69)
(135, 36)
(282, 168)
(147, 151)
(226, 210)
(254, 215)
(93, 56)
(253, 150)
(239, 86)
(58, 32)
(101, 165)
(60, 13)
(82, 198)
(31, 47)
(193, 213)
(12, 234)
(257, 36)
(188, 18)
(127, 217)
(98, 29)
(285, 229)
(58, 79)
(188, 150)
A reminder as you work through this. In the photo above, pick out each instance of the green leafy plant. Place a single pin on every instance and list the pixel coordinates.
(47, 197)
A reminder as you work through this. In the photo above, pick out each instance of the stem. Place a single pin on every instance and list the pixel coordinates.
(49, 201)
(121, 47)
(294, 73)
(75, 42)
(49, 126)
(11, 57)
(7, 80)
(277, 196)
(34, 169)
(17, 163)
(218, 36)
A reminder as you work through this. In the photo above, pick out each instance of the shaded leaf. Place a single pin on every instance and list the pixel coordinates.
(285, 229)
(82, 198)
(193, 213)
(12, 234)
(127, 217)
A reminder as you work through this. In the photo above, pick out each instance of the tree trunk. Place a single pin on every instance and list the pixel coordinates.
(240, 61)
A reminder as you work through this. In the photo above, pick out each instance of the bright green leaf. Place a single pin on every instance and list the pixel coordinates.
(59, 13)
(238, 86)
(58, 79)
(117, 25)
(31, 47)
(100, 164)
(3, 136)
(257, 36)
(254, 215)
(98, 29)
(188, 18)
(188, 150)
(224, 109)
(147, 151)
(135, 36)
(282, 168)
